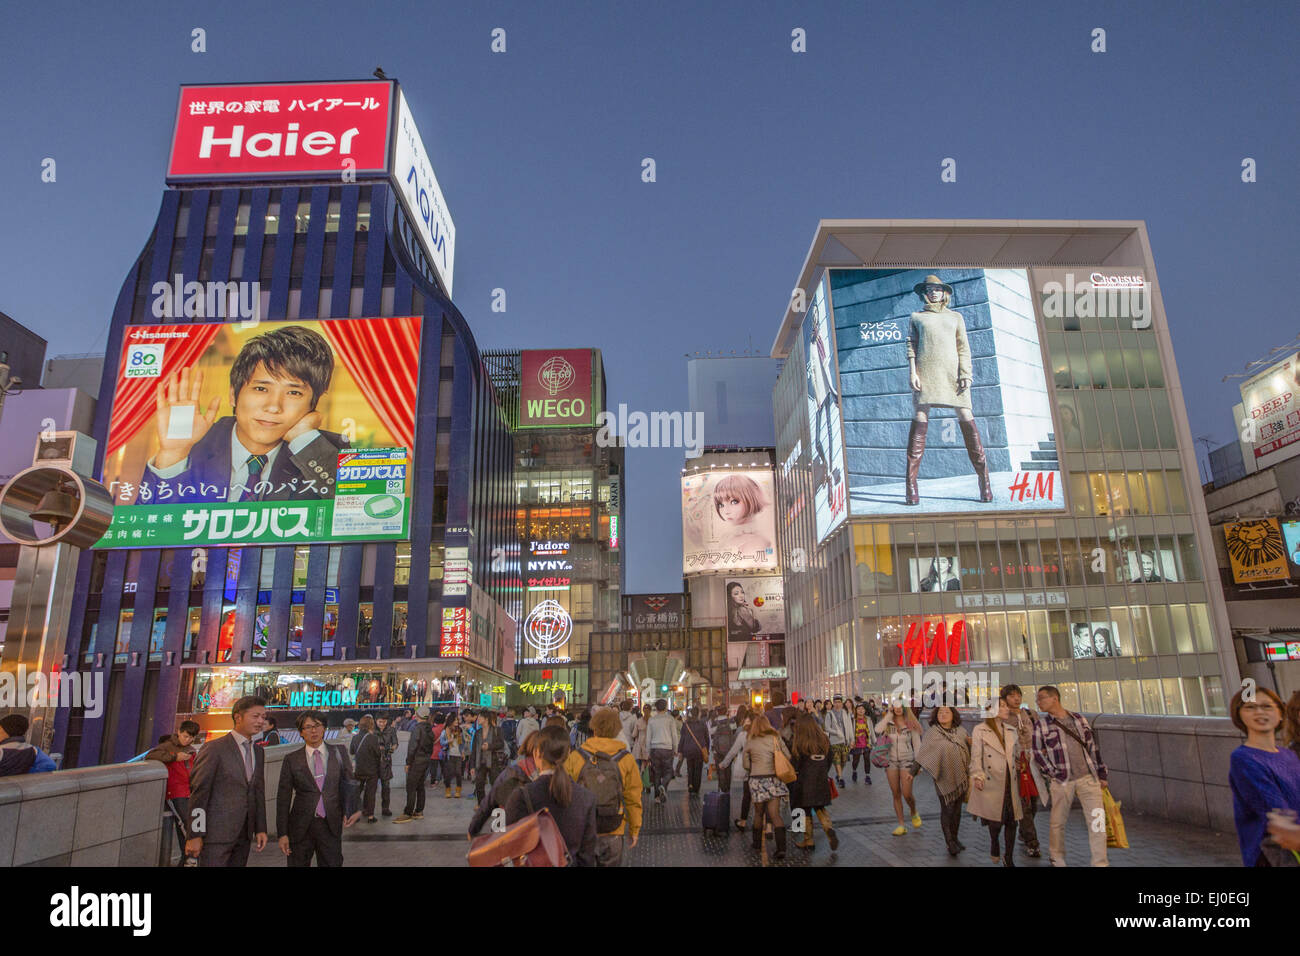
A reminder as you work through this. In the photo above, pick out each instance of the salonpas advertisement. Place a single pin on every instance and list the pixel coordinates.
(946, 408)
(263, 433)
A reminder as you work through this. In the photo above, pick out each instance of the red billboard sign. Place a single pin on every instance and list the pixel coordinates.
(278, 130)
(555, 389)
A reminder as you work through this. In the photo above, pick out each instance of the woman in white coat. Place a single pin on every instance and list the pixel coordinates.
(995, 789)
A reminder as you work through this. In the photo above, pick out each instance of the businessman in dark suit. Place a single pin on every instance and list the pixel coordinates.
(272, 449)
(316, 797)
(228, 792)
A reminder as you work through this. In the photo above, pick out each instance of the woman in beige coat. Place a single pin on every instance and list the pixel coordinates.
(995, 789)
(939, 363)
(765, 787)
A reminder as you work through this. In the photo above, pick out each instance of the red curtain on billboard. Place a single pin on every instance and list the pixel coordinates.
(383, 356)
(135, 403)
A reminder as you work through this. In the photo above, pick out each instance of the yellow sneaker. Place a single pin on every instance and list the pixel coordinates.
(900, 830)
(916, 820)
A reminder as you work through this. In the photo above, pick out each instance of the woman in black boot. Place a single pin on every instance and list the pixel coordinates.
(938, 358)
(995, 753)
(767, 788)
(945, 755)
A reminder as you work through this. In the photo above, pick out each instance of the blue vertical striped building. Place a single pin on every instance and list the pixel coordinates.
(153, 620)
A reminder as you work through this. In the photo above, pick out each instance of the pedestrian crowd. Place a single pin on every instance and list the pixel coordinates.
(576, 790)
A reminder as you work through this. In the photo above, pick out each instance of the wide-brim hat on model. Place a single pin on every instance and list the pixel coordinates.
(919, 288)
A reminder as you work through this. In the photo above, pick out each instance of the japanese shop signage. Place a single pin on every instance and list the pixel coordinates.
(1256, 551)
(455, 632)
(418, 190)
(1271, 402)
(555, 388)
(549, 566)
(761, 673)
(278, 433)
(281, 130)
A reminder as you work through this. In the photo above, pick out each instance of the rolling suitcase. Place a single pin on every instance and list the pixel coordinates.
(716, 813)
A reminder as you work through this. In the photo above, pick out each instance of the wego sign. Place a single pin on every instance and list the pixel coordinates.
(281, 130)
(555, 388)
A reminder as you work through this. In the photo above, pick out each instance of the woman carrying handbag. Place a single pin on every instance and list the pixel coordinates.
(767, 762)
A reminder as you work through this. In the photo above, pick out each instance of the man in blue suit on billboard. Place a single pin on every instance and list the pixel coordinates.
(271, 449)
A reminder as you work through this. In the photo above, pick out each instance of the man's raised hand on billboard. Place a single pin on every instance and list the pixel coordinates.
(309, 422)
(178, 420)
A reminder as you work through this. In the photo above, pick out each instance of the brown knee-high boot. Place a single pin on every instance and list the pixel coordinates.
(915, 449)
(975, 449)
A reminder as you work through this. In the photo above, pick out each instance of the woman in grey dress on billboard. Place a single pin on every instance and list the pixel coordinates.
(938, 358)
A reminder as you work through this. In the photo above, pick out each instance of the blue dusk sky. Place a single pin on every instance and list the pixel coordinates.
(539, 152)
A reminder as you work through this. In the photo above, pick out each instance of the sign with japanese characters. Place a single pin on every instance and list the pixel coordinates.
(1271, 402)
(653, 612)
(264, 433)
(281, 130)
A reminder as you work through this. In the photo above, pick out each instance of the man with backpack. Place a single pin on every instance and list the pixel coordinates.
(605, 767)
(722, 734)
(694, 746)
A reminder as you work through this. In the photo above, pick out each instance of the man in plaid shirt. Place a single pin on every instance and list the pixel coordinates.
(1067, 754)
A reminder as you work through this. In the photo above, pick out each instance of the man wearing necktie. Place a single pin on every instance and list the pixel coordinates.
(316, 797)
(228, 792)
(272, 449)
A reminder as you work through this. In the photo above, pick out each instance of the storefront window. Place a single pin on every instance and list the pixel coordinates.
(330, 626)
(299, 567)
(1109, 691)
(399, 624)
(365, 619)
(402, 570)
(1182, 628)
(1039, 637)
(1131, 695)
(158, 634)
(123, 642)
(1089, 697)
(1153, 698)
(262, 632)
(1193, 699)
(1172, 692)
(192, 633)
(295, 632)
(1191, 563)
(1201, 628)
(1161, 634)
(1214, 696)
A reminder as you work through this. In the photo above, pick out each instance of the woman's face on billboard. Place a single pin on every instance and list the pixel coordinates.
(737, 594)
(731, 510)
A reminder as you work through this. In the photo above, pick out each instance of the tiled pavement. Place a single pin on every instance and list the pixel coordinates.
(863, 818)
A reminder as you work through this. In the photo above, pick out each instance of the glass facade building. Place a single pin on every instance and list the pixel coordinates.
(172, 629)
(569, 530)
(1105, 586)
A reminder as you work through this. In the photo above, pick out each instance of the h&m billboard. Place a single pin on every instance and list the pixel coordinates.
(946, 405)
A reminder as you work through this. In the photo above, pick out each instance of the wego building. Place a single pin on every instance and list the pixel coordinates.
(985, 473)
(308, 465)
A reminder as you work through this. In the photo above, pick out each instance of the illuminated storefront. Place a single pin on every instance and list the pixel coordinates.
(340, 690)
(1020, 504)
(569, 490)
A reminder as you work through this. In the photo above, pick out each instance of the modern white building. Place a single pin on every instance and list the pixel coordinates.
(984, 467)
